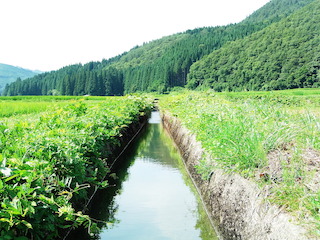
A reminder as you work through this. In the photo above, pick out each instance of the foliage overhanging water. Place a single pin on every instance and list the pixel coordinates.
(153, 196)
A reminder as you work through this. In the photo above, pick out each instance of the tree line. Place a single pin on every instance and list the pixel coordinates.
(284, 55)
(157, 66)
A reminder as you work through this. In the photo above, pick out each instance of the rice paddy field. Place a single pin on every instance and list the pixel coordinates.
(52, 150)
(272, 138)
(18, 105)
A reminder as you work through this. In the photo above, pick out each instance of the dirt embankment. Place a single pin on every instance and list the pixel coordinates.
(236, 205)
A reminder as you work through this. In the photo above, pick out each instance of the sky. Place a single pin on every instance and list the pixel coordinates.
(49, 34)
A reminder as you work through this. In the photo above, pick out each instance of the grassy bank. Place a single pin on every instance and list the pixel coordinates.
(50, 158)
(270, 137)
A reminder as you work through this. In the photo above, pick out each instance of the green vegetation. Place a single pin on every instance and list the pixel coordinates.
(8, 109)
(52, 149)
(270, 137)
(9, 74)
(163, 64)
(282, 56)
(273, 11)
(48, 163)
(12, 106)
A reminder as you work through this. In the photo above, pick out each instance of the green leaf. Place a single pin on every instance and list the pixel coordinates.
(5, 220)
(21, 238)
(28, 225)
(12, 177)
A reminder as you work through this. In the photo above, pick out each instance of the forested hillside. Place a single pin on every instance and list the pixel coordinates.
(9, 74)
(156, 66)
(276, 10)
(282, 56)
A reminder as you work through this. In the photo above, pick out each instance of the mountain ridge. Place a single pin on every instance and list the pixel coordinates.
(9, 74)
(284, 55)
(159, 65)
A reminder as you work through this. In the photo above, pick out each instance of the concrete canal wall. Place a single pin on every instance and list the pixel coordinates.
(236, 206)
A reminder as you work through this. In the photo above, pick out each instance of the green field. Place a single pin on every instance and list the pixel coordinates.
(53, 148)
(17, 105)
(272, 138)
(52, 153)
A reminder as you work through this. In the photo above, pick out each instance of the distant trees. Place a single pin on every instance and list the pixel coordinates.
(89, 79)
(256, 62)
(281, 56)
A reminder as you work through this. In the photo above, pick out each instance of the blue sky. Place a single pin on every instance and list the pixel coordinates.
(49, 34)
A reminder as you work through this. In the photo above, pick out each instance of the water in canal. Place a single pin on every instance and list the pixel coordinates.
(152, 197)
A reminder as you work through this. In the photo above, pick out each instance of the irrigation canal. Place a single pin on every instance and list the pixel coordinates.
(153, 197)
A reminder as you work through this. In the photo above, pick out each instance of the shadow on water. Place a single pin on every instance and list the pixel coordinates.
(152, 156)
(103, 207)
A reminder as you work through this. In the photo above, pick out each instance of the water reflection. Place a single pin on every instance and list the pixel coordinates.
(153, 197)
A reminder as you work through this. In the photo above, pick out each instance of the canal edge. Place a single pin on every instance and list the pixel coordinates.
(236, 206)
(126, 138)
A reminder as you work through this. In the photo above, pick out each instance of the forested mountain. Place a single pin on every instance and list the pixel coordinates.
(156, 66)
(274, 11)
(284, 55)
(9, 74)
(147, 69)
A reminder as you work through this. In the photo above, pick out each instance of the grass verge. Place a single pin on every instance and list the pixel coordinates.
(270, 137)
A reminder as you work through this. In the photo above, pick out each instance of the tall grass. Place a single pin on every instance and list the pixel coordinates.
(239, 131)
(238, 134)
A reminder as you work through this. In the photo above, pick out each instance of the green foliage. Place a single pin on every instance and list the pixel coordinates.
(242, 132)
(273, 11)
(282, 56)
(157, 66)
(47, 165)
